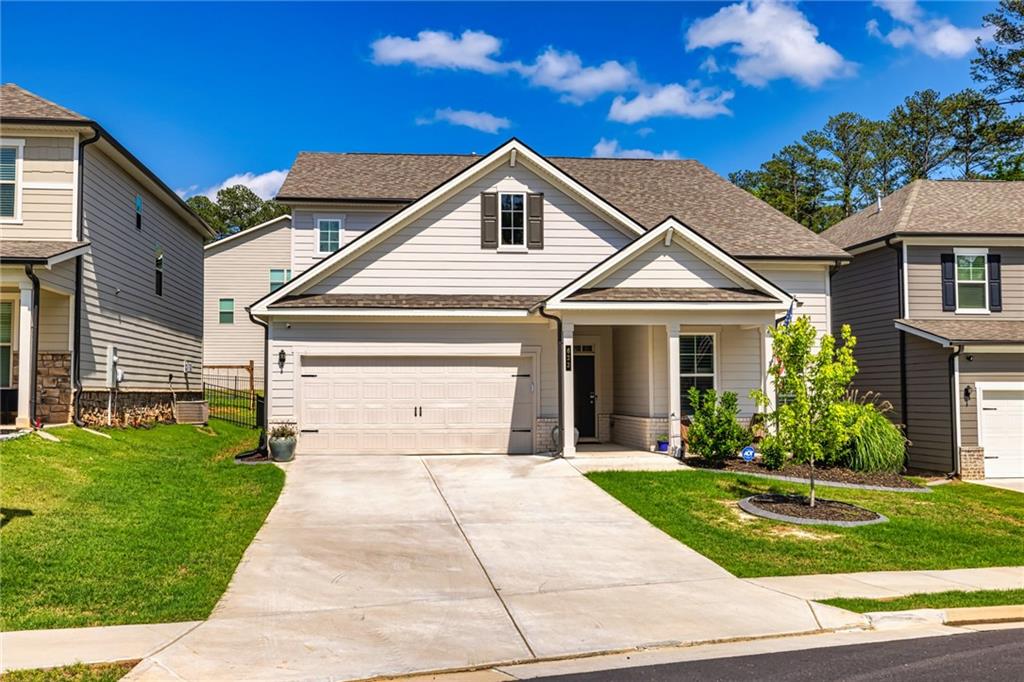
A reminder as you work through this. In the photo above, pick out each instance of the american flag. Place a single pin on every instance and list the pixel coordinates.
(789, 315)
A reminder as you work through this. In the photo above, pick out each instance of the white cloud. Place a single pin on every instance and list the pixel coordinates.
(689, 101)
(610, 149)
(477, 120)
(936, 37)
(773, 40)
(710, 64)
(564, 73)
(263, 185)
(473, 50)
(644, 132)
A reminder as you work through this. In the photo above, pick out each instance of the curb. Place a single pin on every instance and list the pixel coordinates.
(890, 620)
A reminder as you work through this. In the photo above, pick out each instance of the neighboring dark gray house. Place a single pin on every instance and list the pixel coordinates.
(935, 295)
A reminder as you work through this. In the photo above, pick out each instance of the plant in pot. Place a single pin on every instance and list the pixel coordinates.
(662, 440)
(282, 442)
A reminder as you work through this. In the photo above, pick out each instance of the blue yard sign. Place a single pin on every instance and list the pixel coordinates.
(747, 453)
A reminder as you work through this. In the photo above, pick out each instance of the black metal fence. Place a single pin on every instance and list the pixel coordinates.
(232, 399)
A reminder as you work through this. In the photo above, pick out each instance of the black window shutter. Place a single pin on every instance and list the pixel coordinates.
(948, 282)
(995, 283)
(489, 220)
(535, 221)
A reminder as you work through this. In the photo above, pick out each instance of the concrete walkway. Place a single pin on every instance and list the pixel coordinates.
(1014, 484)
(881, 584)
(388, 565)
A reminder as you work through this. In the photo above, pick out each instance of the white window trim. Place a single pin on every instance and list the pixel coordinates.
(13, 299)
(513, 247)
(956, 279)
(341, 233)
(219, 311)
(287, 277)
(19, 184)
(714, 359)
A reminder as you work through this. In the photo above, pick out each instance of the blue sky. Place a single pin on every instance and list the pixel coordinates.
(204, 92)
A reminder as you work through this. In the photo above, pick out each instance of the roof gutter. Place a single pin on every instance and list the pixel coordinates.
(34, 381)
(76, 344)
(266, 371)
(561, 377)
(954, 412)
(900, 265)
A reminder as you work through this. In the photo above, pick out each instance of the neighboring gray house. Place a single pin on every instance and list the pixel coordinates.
(241, 269)
(935, 294)
(446, 303)
(101, 274)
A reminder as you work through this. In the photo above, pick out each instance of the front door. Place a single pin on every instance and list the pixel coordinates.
(585, 397)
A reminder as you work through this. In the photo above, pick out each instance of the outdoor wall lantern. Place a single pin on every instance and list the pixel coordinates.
(281, 357)
(967, 395)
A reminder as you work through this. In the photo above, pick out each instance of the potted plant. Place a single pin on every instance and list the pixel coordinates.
(662, 439)
(282, 443)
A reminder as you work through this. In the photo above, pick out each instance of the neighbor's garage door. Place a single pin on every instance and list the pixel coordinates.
(1002, 432)
(416, 405)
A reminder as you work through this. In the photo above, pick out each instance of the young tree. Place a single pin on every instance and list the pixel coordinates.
(208, 211)
(237, 208)
(923, 137)
(981, 134)
(1001, 66)
(809, 422)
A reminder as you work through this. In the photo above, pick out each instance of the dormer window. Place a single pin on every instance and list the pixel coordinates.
(512, 217)
(971, 281)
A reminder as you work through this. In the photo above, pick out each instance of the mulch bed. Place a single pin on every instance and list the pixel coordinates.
(254, 457)
(794, 470)
(823, 510)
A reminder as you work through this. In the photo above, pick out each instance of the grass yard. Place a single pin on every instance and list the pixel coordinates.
(936, 600)
(95, 672)
(959, 525)
(145, 527)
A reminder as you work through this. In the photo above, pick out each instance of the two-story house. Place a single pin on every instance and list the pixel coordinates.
(101, 274)
(512, 302)
(935, 294)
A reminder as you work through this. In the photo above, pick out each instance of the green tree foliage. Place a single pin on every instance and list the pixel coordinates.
(922, 133)
(981, 135)
(1001, 66)
(237, 208)
(715, 433)
(810, 422)
(846, 139)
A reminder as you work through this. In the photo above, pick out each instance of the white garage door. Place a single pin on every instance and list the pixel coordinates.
(416, 405)
(1002, 432)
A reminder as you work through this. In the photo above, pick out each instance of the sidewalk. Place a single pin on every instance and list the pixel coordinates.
(50, 648)
(880, 584)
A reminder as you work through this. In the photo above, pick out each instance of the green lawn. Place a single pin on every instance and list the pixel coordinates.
(145, 527)
(937, 600)
(95, 672)
(959, 525)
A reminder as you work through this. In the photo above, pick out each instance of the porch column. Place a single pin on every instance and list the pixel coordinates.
(767, 385)
(26, 352)
(568, 407)
(675, 402)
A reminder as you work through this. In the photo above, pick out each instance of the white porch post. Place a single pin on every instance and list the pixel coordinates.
(675, 398)
(767, 385)
(25, 354)
(568, 407)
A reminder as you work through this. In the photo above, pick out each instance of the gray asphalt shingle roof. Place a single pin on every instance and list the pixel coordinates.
(979, 330)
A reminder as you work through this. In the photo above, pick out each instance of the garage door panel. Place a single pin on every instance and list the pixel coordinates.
(416, 405)
(1002, 432)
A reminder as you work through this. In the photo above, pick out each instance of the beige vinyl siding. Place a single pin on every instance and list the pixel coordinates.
(667, 266)
(240, 270)
(865, 295)
(739, 364)
(807, 283)
(928, 419)
(154, 335)
(632, 369)
(304, 245)
(983, 367)
(61, 276)
(54, 322)
(439, 252)
(458, 338)
(925, 281)
(46, 213)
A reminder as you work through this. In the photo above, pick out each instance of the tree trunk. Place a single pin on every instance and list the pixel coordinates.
(812, 481)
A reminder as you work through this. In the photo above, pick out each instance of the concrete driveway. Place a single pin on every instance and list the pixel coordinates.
(387, 565)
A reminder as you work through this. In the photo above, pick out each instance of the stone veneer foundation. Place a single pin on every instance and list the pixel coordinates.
(542, 441)
(972, 463)
(53, 388)
(132, 408)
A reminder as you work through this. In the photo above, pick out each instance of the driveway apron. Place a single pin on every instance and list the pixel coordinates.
(389, 565)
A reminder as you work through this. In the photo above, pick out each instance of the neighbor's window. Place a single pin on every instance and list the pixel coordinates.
(227, 311)
(159, 268)
(10, 167)
(278, 277)
(6, 322)
(971, 281)
(328, 235)
(696, 365)
(513, 219)
(138, 211)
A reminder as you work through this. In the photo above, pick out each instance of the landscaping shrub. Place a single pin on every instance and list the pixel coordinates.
(875, 443)
(773, 454)
(715, 434)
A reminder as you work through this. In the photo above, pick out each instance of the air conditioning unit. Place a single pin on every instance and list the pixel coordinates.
(191, 412)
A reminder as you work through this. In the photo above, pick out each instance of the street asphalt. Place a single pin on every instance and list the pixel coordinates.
(994, 655)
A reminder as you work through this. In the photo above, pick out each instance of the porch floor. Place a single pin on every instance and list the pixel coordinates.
(614, 457)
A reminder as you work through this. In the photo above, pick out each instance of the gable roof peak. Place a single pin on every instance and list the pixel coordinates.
(18, 103)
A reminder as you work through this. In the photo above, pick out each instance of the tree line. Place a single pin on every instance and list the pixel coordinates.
(831, 173)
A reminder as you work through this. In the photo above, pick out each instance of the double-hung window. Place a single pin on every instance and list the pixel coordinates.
(328, 235)
(512, 218)
(696, 365)
(159, 273)
(11, 153)
(226, 311)
(278, 278)
(971, 281)
(138, 211)
(6, 334)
